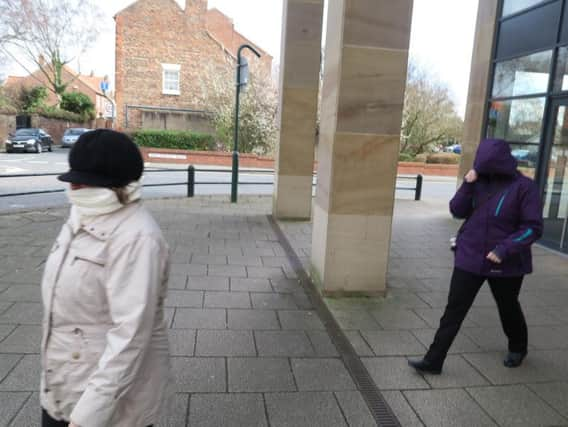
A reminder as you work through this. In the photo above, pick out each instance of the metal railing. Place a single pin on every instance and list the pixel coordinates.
(190, 181)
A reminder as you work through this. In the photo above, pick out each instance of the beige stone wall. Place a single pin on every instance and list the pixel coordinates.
(177, 121)
(365, 67)
(299, 87)
(479, 80)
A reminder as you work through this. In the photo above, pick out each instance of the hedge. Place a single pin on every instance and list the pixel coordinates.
(56, 113)
(444, 158)
(182, 140)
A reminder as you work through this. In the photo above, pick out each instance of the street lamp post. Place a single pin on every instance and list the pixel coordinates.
(242, 80)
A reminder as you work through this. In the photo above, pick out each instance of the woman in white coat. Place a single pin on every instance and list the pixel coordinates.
(105, 349)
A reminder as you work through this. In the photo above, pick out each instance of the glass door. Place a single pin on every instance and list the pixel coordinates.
(556, 179)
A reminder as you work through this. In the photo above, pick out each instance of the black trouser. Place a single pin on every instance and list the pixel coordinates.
(47, 421)
(463, 290)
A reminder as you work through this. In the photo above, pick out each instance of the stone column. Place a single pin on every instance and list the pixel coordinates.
(366, 58)
(299, 84)
(476, 107)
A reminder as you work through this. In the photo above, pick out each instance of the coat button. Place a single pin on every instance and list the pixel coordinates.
(76, 356)
(76, 331)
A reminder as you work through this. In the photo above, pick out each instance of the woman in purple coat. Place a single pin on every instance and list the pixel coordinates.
(503, 218)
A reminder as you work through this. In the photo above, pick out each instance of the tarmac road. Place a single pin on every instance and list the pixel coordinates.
(438, 188)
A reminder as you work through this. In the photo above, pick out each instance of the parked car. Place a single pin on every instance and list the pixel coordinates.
(71, 135)
(456, 148)
(29, 139)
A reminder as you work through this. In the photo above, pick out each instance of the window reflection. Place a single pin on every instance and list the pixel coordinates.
(518, 120)
(556, 191)
(527, 157)
(513, 6)
(561, 81)
(522, 76)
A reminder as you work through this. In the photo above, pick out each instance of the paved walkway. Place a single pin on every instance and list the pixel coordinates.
(248, 349)
(475, 388)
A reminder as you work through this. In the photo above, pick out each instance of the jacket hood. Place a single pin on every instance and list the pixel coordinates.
(494, 158)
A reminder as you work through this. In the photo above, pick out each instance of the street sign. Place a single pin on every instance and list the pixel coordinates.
(104, 86)
(243, 72)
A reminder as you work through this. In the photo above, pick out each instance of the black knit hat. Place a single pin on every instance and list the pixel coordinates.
(104, 158)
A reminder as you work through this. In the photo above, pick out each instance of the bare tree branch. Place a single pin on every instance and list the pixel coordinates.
(49, 34)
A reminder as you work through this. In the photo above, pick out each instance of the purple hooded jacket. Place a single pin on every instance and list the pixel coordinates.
(502, 212)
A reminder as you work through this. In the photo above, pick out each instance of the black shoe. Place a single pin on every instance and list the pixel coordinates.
(514, 360)
(424, 366)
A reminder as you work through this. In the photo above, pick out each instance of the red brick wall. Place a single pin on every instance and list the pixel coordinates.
(222, 27)
(56, 128)
(154, 32)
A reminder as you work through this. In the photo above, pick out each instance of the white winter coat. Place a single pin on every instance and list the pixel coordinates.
(105, 349)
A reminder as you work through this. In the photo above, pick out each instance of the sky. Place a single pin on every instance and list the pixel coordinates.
(441, 40)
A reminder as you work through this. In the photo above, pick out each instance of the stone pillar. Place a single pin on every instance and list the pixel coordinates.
(299, 84)
(366, 58)
(476, 107)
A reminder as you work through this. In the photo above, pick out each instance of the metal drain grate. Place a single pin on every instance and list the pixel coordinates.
(380, 410)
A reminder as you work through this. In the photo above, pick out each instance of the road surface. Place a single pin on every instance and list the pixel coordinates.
(56, 162)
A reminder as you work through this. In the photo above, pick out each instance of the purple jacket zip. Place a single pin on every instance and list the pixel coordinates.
(503, 213)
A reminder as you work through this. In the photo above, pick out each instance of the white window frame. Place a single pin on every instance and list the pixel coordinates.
(176, 68)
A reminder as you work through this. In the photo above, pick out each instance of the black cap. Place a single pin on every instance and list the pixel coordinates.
(104, 158)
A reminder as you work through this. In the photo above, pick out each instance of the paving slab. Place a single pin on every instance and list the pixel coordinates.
(175, 414)
(199, 375)
(225, 343)
(24, 339)
(227, 410)
(30, 413)
(283, 343)
(354, 409)
(516, 405)
(272, 301)
(24, 376)
(23, 312)
(11, 405)
(304, 409)
(182, 342)
(252, 319)
(323, 346)
(462, 343)
(250, 285)
(300, 320)
(393, 373)
(6, 330)
(207, 283)
(539, 366)
(178, 298)
(227, 300)
(555, 394)
(260, 375)
(393, 343)
(322, 375)
(200, 318)
(457, 372)
(401, 408)
(448, 408)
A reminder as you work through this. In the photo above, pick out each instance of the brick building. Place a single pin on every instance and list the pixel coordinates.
(162, 51)
(86, 84)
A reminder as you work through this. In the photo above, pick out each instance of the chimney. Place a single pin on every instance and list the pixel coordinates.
(196, 10)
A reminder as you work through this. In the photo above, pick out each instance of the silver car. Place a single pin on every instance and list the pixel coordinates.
(71, 136)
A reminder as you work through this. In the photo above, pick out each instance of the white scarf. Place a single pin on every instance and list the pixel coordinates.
(95, 201)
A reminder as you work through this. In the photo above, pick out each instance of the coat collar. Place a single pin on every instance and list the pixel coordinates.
(102, 226)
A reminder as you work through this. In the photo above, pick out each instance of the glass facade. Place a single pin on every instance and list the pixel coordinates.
(516, 120)
(522, 76)
(528, 101)
(513, 6)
